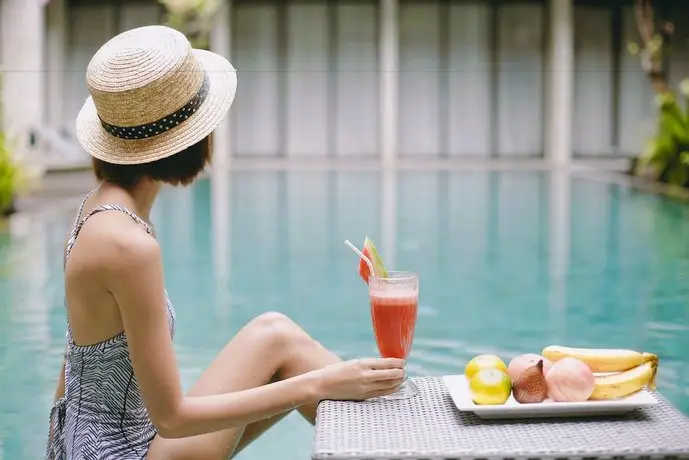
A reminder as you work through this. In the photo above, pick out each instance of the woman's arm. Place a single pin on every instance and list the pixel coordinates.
(59, 393)
(60, 390)
(135, 277)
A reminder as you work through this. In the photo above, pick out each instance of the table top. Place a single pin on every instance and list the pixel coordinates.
(429, 427)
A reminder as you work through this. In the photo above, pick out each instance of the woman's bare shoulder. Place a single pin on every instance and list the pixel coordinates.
(111, 240)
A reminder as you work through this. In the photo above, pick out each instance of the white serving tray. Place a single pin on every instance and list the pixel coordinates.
(458, 386)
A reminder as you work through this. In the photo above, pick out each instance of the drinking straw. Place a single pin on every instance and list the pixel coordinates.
(363, 257)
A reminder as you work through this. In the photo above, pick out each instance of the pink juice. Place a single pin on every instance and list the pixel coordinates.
(394, 321)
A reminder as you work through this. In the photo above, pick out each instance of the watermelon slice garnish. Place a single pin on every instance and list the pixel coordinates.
(369, 250)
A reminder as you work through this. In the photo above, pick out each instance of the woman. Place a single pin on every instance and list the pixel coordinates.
(153, 107)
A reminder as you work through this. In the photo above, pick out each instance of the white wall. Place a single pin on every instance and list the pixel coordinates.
(356, 85)
(520, 86)
(447, 74)
(469, 128)
(471, 83)
(419, 82)
(635, 109)
(307, 117)
(593, 80)
(255, 54)
(308, 78)
(22, 39)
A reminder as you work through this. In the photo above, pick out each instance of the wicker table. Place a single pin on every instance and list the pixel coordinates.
(428, 427)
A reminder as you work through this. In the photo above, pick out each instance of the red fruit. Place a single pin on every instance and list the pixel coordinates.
(369, 250)
(364, 272)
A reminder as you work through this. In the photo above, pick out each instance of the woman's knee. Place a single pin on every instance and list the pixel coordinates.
(273, 322)
(280, 329)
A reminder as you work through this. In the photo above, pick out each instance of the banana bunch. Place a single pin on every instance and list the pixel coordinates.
(626, 371)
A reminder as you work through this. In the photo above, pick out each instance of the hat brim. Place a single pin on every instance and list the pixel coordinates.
(100, 144)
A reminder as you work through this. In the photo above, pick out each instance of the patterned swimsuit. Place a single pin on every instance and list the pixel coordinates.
(102, 414)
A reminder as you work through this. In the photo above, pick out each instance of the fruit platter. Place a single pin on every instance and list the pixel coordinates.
(559, 382)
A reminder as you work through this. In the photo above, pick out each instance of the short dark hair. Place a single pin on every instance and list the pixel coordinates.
(179, 169)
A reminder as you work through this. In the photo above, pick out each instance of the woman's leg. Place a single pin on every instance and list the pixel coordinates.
(270, 347)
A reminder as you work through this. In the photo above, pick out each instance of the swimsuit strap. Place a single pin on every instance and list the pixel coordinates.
(105, 207)
(81, 209)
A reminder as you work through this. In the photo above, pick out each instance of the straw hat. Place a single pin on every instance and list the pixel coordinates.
(152, 96)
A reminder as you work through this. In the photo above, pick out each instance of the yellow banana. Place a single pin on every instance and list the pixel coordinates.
(600, 359)
(625, 383)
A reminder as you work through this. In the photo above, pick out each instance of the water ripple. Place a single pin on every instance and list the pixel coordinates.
(497, 276)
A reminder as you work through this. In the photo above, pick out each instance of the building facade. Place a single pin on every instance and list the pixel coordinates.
(373, 78)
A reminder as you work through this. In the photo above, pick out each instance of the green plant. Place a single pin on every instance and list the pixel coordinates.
(10, 173)
(9, 176)
(666, 157)
(656, 37)
(194, 18)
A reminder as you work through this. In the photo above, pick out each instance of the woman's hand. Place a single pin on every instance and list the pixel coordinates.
(360, 379)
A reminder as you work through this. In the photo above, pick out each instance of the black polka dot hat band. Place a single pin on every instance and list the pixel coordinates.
(164, 124)
(152, 95)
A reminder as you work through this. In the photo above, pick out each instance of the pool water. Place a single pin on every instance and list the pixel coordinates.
(508, 262)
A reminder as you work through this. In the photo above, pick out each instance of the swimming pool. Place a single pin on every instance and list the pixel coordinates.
(508, 262)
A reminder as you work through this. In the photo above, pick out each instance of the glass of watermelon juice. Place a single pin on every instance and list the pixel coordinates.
(394, 305)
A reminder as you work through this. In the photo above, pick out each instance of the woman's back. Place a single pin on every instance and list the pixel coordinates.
(102, 414)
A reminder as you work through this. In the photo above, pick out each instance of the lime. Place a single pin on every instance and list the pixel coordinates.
(484, 362)
(490, 386)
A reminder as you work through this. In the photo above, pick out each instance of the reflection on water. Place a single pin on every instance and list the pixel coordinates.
(508, 262)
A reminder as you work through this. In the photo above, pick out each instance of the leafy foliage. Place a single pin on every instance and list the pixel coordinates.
(9, 170)
(194, 18)
(9, 175)
(666, 157)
